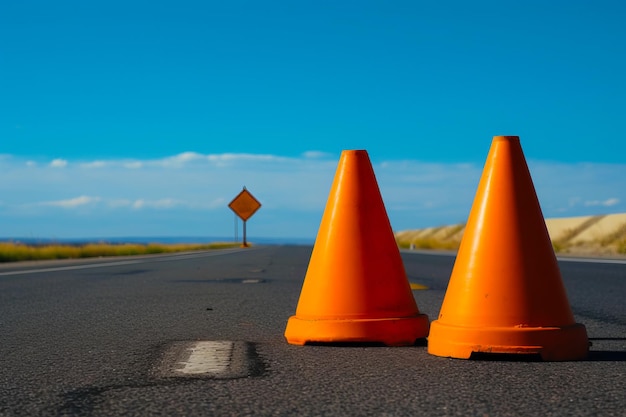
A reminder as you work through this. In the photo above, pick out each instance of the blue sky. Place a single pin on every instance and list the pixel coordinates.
(145, 118)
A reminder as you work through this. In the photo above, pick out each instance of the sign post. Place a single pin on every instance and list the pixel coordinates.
(244, 205)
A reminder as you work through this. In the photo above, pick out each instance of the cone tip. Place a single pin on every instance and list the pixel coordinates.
(506, 138)
(354, 151)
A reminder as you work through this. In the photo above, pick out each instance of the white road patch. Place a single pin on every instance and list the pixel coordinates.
(214, 359)
(208, 358)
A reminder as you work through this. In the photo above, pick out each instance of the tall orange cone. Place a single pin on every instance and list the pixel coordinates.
(356, 288)
(506, 293)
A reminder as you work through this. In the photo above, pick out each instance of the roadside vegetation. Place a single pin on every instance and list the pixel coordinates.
(621, 247)
(596, 247)
(428, 243)
(586, 237)
(15, 251)
(435, 238)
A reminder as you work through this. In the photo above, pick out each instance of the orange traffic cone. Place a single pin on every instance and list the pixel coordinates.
(505, 293)
(356, 288)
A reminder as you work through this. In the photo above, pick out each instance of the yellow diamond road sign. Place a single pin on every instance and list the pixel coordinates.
(244, 205)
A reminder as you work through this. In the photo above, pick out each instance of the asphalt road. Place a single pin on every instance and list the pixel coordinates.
(99, 338)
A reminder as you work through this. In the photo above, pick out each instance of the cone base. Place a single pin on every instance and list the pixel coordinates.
(566, 343)
(404, 331)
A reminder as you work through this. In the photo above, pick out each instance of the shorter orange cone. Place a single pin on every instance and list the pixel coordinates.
(506, 293)
(356, 288)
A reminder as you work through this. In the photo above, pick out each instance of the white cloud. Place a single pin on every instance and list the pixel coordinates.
(580, 188)
(606, 203)
(232, 158)
(94, 164)
(163, 203)
(315, 155)
(72, 202)
(181, 159)
(218, 202)
(119, 203)
(58, 163)
(133, 165)
(189, 193)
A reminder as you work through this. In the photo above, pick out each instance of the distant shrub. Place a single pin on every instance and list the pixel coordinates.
(558, 246)
(14, 252)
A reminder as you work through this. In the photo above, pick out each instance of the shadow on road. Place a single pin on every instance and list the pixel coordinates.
(607, 355)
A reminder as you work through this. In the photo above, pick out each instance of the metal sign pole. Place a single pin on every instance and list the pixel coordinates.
(245, 244)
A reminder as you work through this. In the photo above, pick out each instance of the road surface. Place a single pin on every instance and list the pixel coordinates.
(126, 336)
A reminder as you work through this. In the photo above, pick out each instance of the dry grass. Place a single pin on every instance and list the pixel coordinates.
(429, 243)
(13, 252)
(586, 235)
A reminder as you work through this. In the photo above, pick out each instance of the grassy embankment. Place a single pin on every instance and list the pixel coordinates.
(432, 243)
(13, 252)
(592, 235)
(435, 238)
